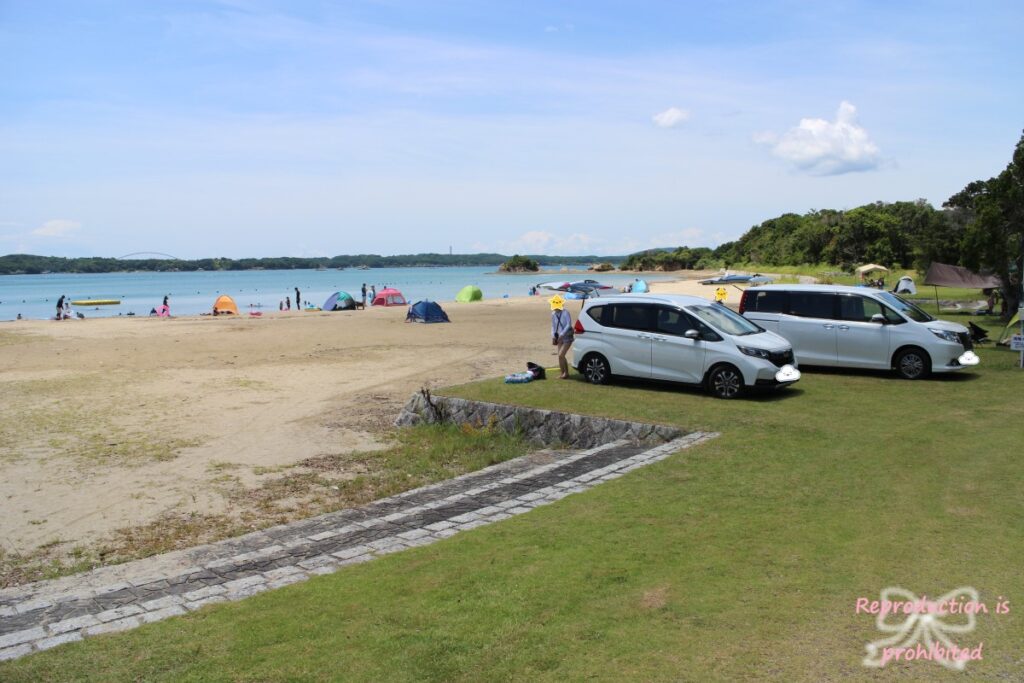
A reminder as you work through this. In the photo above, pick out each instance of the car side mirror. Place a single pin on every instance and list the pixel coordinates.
(691, 334)
(879, 318)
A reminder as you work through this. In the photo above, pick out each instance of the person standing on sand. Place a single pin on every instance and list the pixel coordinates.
(287, 303)
(60, 306)
(364, 295)
(562, 334)
(373, 293)
(298, 299)
(166, 297)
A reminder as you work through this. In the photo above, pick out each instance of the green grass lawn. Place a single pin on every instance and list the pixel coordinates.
(741, 559)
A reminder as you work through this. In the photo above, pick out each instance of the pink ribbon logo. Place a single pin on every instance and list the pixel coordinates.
(924, 633)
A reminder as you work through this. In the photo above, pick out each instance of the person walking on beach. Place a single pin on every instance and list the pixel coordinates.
(364, 295)
(298, 299)
(562, 334)
(60, 306)
(287, 303)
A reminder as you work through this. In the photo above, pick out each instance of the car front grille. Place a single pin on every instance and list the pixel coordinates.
(780, 358)
(965, 340)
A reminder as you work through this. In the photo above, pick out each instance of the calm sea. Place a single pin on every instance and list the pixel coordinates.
(35, 296)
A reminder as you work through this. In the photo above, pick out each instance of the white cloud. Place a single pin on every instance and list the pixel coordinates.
(58, 227)
(671, 117)
(822, 147)
(542, 242)
(549, 243)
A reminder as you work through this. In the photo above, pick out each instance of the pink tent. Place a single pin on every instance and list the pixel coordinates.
(388, 297)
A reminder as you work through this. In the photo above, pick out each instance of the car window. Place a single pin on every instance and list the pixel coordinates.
(811, 304)
(672, 321)
(675, 322)
(767, 301)
(629, 316)
(906, 308)
(596, 312)
(721, 318)
(861, 309)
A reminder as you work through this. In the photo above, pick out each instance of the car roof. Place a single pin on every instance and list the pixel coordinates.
(846, 289)
(673, 299)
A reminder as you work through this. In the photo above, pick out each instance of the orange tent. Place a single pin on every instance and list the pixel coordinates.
(224, 304)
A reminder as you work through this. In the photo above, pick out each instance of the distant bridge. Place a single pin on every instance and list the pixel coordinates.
(148, 254)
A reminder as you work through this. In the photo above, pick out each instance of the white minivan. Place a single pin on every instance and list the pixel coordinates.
(680, 339)
(859, 327)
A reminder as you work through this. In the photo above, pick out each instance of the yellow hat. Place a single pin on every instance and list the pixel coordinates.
(556, 302)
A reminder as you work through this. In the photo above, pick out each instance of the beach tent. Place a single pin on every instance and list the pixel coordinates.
(426, 312)
(1012, 328)
(870, 268)
(905, 286)
(339, 301)
(225, 304)
(581, 288)
(640, 286)
(389, 297)
(469, 293)
(945, 275)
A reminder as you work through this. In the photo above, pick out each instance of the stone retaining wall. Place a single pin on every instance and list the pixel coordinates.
(547, 428)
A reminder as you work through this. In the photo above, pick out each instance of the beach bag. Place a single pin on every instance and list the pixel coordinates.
(519, 378)
(536, 370)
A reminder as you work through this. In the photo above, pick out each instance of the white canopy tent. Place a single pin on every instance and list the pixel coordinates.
(870, 268)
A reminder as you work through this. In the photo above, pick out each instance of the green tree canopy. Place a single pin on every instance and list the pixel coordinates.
(993, 237)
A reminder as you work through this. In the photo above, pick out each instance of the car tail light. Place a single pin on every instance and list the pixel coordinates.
(578, 327)
(743, 301)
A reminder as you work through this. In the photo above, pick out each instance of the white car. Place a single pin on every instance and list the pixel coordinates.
(680, 339)
(859, 327)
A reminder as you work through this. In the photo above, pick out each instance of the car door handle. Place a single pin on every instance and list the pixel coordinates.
(844, 327)
(828, 326)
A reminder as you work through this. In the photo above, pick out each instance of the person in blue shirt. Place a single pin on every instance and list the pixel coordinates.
(562, 334)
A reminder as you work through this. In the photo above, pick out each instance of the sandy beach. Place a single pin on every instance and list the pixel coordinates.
(110, 424)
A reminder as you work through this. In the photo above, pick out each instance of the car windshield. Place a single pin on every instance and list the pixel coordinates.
(724, 320)
(905, 307)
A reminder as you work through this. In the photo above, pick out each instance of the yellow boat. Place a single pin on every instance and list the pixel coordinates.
(96, 302)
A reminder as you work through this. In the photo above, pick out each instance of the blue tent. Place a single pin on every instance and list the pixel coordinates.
(640, 286)
(426, 312)
(339, 301)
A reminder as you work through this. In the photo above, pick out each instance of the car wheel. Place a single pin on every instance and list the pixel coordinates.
(913, 363)
(595, 369)
(726, 382)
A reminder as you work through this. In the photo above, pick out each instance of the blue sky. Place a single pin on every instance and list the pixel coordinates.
(250, 128)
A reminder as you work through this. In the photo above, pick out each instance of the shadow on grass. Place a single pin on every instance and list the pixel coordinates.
(767, 394)
(960, 376)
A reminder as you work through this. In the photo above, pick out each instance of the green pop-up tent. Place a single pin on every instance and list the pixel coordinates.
(469, 293)
(1011, 328)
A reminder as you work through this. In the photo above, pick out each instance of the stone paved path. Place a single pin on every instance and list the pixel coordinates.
(42, 615)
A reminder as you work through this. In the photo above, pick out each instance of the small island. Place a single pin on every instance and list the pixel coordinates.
(519, 264)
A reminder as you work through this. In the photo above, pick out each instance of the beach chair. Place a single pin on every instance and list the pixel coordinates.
(978, 334)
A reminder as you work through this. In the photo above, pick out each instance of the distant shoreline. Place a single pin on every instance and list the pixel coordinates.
(30, 264)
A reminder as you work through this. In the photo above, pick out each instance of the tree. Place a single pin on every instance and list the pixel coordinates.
(994, 239)
(519, 264)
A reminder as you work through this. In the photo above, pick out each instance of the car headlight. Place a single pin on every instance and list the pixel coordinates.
(756, 353)
(944, 334)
